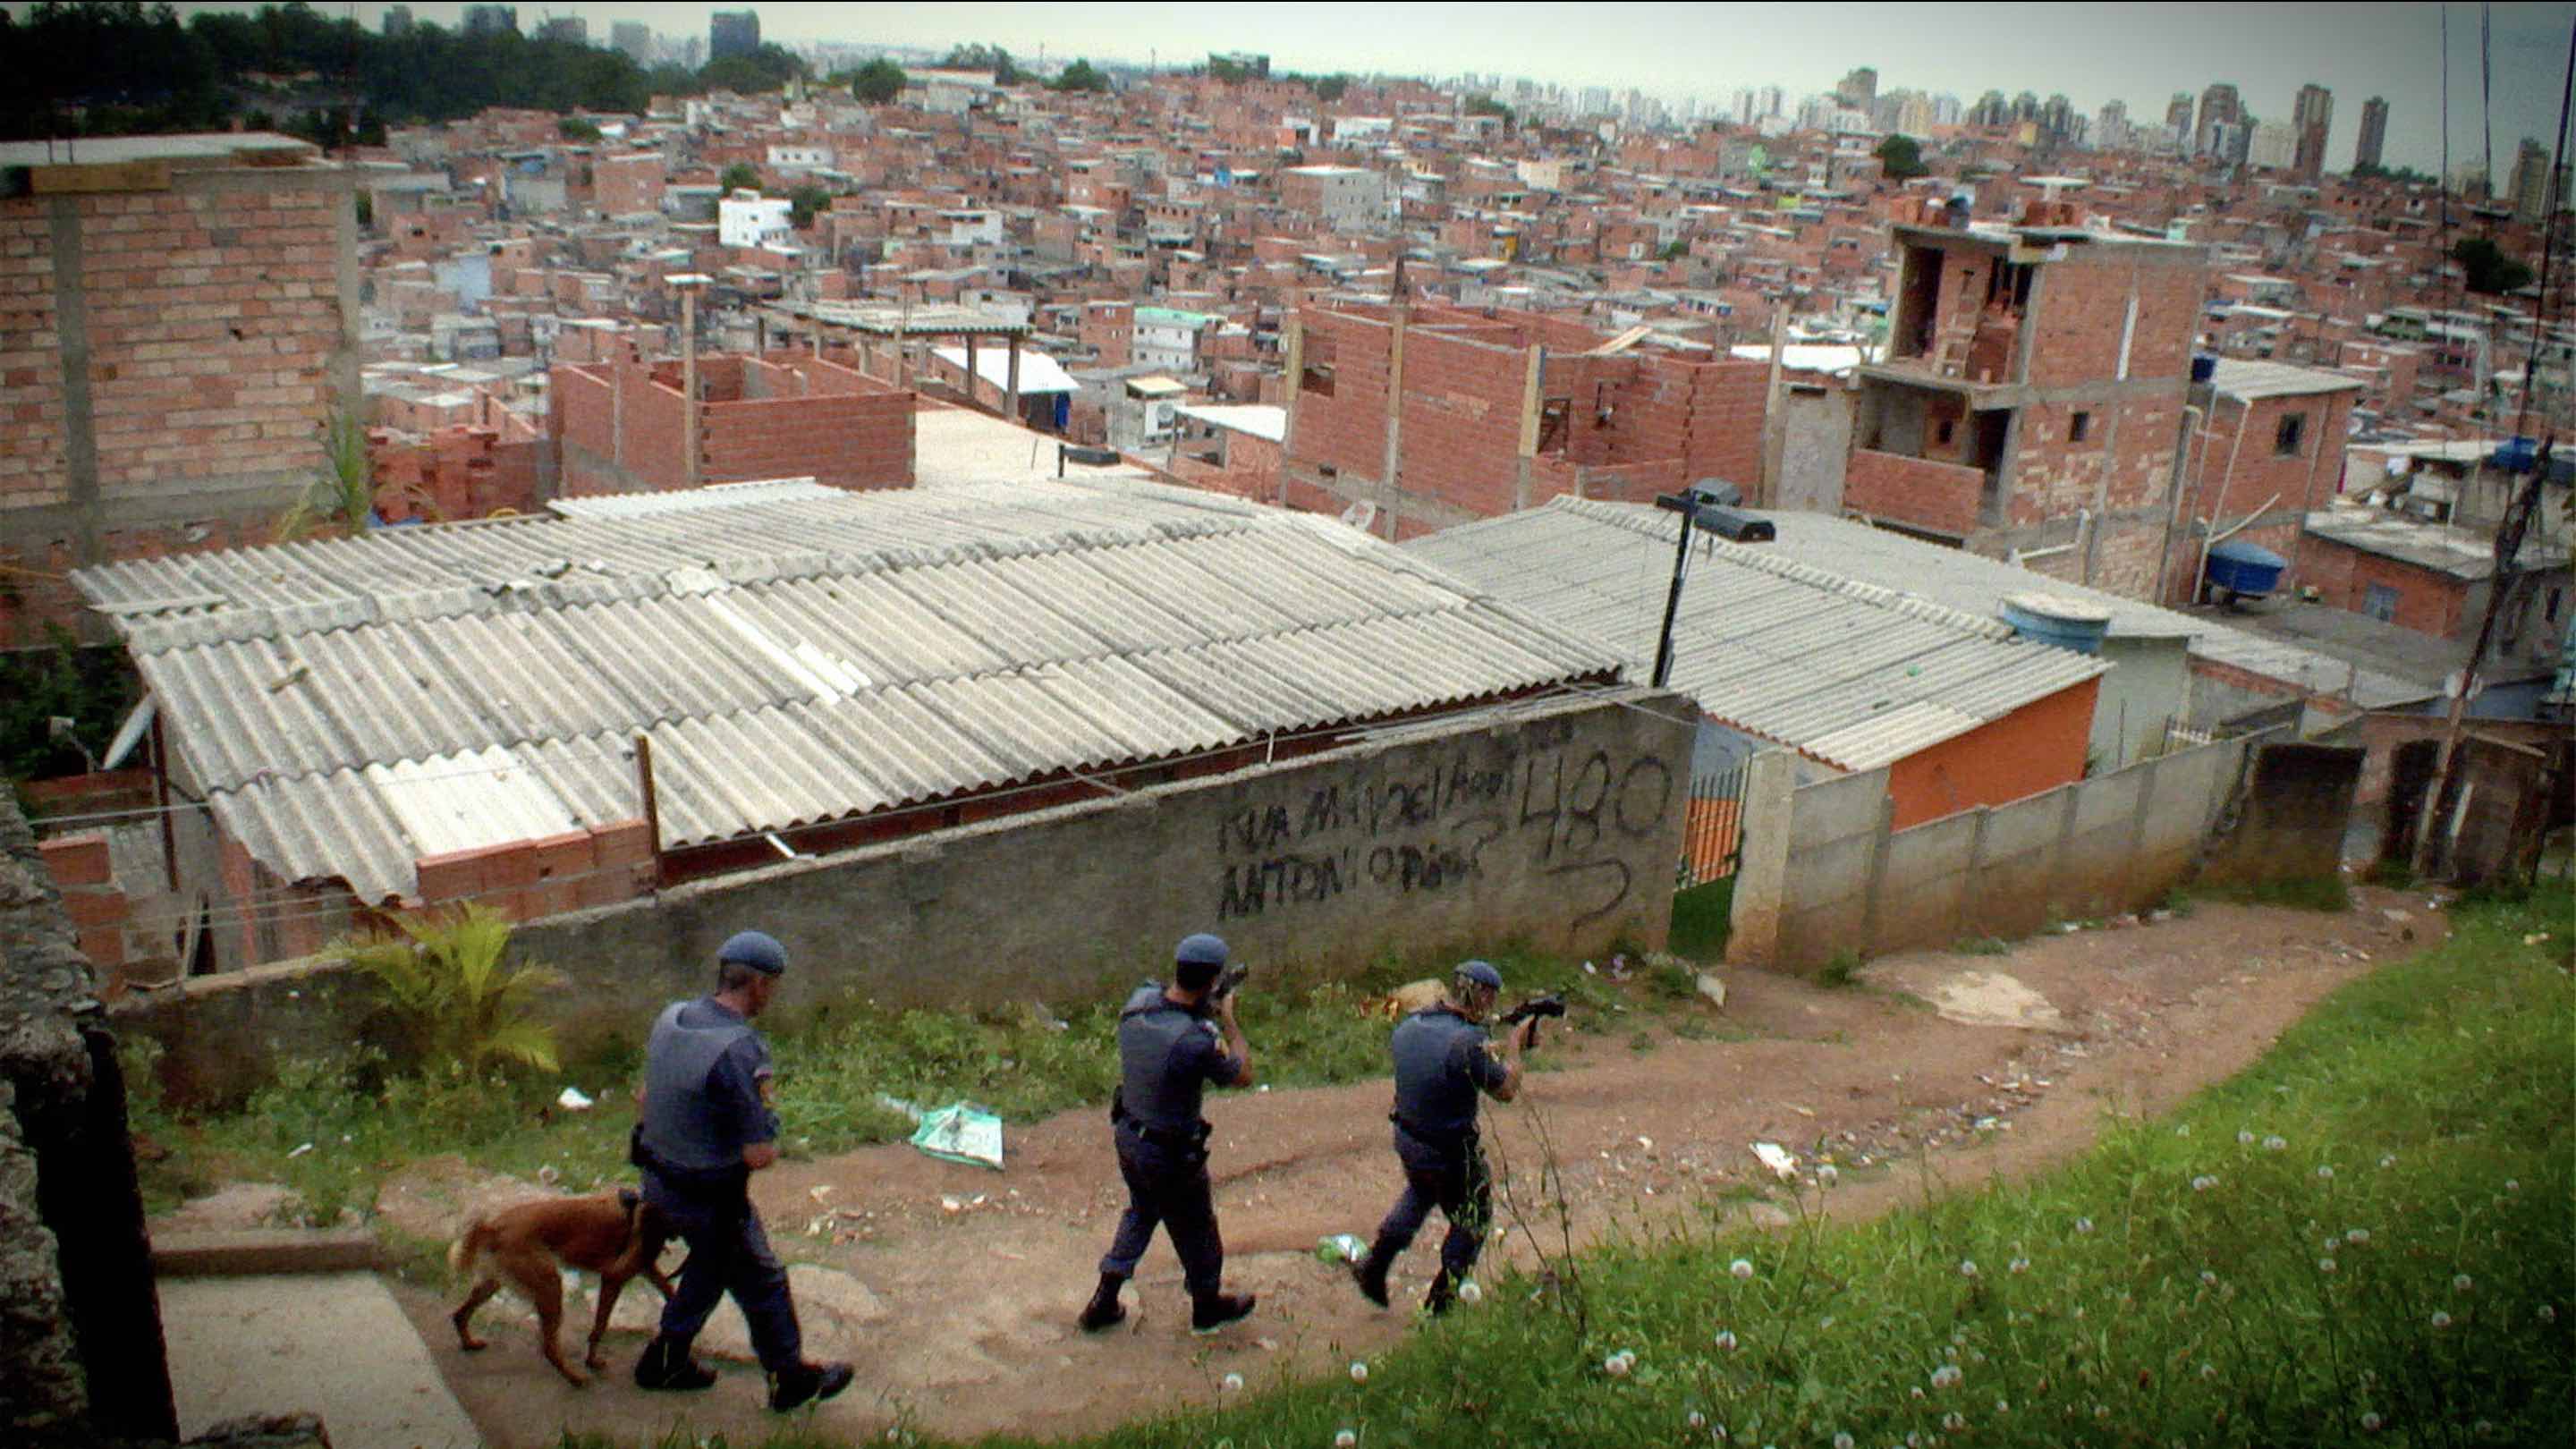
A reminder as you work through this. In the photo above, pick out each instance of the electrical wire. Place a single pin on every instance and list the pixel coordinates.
(2549, 243)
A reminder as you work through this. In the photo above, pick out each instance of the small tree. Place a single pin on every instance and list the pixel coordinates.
(877, 82)
(578, 128)
(1488, 106)
(806, 203)
(740, 176)
(2489, 270)
(1082, 75)
(444, 982)
(1901, 159)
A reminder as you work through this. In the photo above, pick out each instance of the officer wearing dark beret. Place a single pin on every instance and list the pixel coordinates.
(1172, 1042)
(706, 1127)
(1443, 1060)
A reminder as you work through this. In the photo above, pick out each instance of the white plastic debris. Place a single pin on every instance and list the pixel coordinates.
(300, 1151)
(572, 1100)
(1776, 1158)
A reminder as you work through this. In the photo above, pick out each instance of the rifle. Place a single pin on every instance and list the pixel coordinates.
(1551, 1004)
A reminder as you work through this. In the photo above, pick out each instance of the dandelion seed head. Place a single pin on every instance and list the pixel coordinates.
(2324, 1173)
(1359, 1371)
(2512, 1185)
(1828, 1175)
(1967, 1267)
(1345, 1440)
(2389, 1160)
(2208, 1278)
(2244, 1138)
(1471, 1292)
(2203, 1183)
(1954, 1421)
(1844, 1441)
(2209, 1371)
(2356, 1236)
(2371, 1422)
(1742, 1268)
(2548, 1314)
(2275, 1143)
(2183, 1131)
(1697, 1419)
(2019, 1265)
(1233, 1383)
(1617, 1365)
(2463, 1283)
(2325, 1265)
(2083, 1225)
(1726, 1339)
(2441, 1319)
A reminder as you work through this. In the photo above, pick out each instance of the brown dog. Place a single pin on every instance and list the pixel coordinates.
(616, 1235)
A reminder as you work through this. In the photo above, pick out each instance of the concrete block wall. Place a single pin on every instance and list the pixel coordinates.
(1824, 873)
(1557, 824)
(169, 360)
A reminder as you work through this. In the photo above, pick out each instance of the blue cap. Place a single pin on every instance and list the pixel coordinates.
(1480, 973)
(1200, 950)
(756, 949)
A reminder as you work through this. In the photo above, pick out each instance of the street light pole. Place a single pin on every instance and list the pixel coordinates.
(1714, 505)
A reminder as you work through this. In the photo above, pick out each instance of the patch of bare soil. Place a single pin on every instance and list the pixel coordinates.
(971, 1278)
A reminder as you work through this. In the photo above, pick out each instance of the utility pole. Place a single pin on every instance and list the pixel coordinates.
(2439, 795)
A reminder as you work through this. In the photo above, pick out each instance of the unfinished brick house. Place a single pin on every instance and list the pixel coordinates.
(2268, 451)
(622, 426)
(178, 325)
(1438, 415)
(2032, 403)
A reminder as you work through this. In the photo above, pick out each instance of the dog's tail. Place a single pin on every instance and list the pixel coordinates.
(468, 1247)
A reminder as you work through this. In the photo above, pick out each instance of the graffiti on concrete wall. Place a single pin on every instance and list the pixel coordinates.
(1536, 807)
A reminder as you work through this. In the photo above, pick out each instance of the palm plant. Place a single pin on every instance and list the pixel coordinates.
(445, 979)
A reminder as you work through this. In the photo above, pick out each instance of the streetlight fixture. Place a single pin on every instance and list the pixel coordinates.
(1715, 505)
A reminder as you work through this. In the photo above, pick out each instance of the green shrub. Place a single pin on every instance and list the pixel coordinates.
(452, 997)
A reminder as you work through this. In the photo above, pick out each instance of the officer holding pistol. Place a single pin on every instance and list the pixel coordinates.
(1172, 1042)
(705, 1128)
(1443, 1059)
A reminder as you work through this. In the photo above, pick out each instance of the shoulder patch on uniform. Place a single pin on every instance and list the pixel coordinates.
(1211, 1029)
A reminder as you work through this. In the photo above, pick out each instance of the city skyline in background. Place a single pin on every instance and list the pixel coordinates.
(2138, 55)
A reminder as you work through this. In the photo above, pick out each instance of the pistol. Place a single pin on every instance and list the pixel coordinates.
(1228, 983)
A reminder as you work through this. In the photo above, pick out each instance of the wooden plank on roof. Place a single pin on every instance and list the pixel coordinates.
(1622, 342)
(91, 177)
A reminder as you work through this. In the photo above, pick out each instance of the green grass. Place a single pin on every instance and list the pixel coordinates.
(1842, 971)
(834, 1064)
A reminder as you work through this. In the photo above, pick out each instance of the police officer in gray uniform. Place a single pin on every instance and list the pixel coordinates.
(706, 1127)
(1172, 1042)
(1442, 1060)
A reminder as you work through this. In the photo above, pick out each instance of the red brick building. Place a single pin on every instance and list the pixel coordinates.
(178, 327)
(2032, 401)
(1439, 415)
(622, 427)
(2267, 453)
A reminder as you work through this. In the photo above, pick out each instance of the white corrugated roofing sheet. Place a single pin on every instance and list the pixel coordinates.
(351, 706)
(1852, 673)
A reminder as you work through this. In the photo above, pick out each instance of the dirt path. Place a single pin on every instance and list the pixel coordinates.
(960, 1317)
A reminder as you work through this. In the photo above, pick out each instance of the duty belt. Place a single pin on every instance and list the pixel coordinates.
(1453, 1140)
(1168, 1138)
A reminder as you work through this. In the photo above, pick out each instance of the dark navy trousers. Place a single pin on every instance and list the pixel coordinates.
(1168, 1188)
(1452, 1178)
(729, 1253)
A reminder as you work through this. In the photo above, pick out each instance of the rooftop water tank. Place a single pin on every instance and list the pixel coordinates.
(2203, 367)
(2245, 570)
(2055, 619)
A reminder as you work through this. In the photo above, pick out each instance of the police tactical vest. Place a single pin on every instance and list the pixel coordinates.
(679, 1125)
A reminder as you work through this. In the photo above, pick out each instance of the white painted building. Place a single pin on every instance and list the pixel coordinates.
(1168, 337)
(800, 158)
(749, 219)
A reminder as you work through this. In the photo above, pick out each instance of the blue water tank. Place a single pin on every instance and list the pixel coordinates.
(2246, 570)
(2055, 619)
(2204, 367)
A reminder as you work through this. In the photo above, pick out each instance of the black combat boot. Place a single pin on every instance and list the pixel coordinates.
(1442, 1294)
(666, 1365)
(1104, 1310)
(1371, 1275)
(1212, 1311)
(808, 1383)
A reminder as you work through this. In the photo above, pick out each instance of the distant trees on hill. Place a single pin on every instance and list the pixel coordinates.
(101, 68)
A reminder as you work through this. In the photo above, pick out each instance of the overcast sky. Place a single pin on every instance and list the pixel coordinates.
(2140, 54)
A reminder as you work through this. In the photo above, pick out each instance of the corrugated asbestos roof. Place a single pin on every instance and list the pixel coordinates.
(1849, 672)
(350, 706)
(1974, 585)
